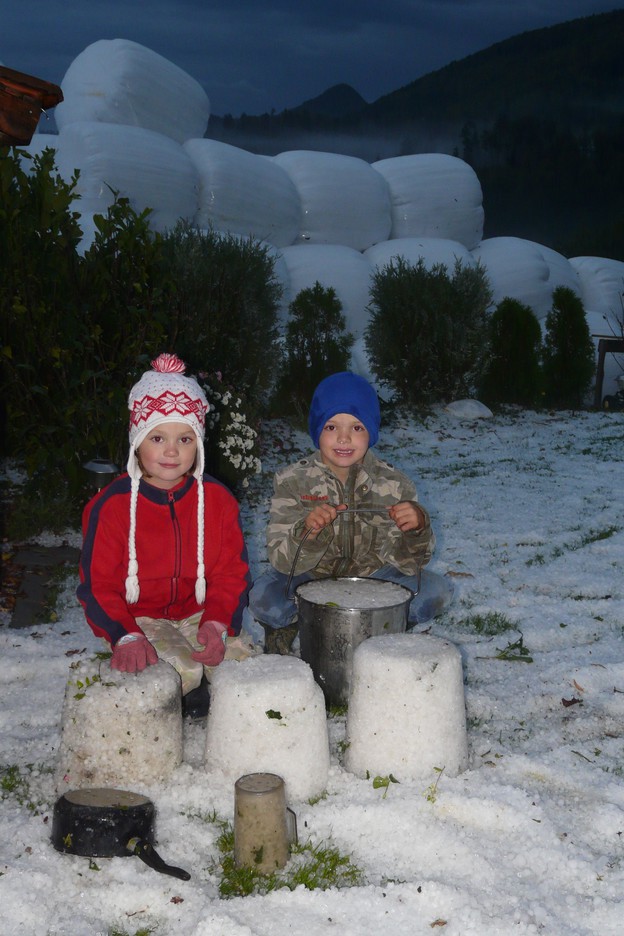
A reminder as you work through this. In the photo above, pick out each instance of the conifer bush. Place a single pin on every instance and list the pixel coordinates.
(427, 333)
(513, 372)
(569, 354)
(316, 344)
(223, 311)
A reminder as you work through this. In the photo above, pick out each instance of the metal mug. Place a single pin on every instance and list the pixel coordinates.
(264, 827)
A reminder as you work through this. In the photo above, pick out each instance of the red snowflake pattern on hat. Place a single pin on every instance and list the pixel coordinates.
(166, 404)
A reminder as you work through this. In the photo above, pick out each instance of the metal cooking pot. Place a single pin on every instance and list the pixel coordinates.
(105, 823)
(330, 631)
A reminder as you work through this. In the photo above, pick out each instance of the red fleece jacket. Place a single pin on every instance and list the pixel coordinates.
(166, 547)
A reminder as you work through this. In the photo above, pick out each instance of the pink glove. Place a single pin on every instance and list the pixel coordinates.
(133, 653)
(211, 634)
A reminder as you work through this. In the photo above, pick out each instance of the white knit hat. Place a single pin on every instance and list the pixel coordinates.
(164, 395)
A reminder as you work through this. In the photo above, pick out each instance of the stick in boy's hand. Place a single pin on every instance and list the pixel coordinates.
(320, 517)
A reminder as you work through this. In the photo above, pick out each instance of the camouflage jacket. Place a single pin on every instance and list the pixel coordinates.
(356, 543)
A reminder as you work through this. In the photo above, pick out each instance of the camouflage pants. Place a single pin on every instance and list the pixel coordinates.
(175, 641)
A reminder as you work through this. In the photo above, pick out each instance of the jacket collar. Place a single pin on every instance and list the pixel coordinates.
(364, 471)
(161, 496)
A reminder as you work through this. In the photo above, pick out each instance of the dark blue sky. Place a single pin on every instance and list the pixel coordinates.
(255, 55)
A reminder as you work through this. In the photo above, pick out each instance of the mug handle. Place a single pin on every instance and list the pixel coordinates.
(291, 826)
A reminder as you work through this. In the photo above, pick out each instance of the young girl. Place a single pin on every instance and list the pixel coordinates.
(311, 536)
(163, 567)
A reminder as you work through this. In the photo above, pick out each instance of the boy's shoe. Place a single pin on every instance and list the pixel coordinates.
(195, 704)
(280, 639)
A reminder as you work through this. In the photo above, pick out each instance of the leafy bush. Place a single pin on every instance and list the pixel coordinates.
(569, 355)
(39, 307)
(513, 372)
(427, 334)
(316, 345)
(124, 299)
(78, 330)
(223, 311)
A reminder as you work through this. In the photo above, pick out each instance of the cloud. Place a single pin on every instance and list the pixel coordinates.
(255, 57)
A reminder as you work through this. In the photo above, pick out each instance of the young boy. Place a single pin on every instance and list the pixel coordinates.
(163, 567)
(308, 521)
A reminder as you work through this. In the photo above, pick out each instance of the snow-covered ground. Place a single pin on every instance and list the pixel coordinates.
(529, 517)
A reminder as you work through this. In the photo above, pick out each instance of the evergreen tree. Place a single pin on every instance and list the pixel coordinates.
(569, 355)
(317, 344)
(513, 373)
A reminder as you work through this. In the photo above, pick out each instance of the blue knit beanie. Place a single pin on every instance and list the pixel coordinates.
(344, 393)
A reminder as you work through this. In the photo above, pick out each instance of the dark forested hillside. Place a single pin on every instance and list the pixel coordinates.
(539, 116)
(573, 71)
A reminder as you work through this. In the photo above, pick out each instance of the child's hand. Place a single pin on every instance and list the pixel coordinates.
(133, 653)
(407, 516)
(320, 517)
(210, 635)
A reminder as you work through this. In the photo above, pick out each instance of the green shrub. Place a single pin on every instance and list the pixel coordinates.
(39, 308)
(316, 345)
(569, 355)
(427, 334)
(513, 372)
(78, 330)
(223, 312)
(125, 298)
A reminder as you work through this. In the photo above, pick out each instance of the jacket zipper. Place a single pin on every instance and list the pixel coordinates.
(347, 525)
(176, 549)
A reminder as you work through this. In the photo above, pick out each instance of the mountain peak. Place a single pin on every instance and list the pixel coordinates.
(340, 100)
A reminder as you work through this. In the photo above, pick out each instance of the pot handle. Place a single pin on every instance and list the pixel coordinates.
(374, 510)
(147, 853)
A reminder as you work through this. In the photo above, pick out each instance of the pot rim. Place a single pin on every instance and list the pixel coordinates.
(354, 578)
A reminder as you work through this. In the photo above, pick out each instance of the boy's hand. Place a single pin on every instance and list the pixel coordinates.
(210, 635)
(133, 653)
(407, 516)
(320, 517)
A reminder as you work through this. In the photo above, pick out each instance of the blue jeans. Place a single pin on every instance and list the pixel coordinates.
(269, 604)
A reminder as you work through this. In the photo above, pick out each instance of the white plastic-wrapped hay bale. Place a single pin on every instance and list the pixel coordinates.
(268, 715)
(342, 268)
(434, 195)
(343, 200)
(562, 273)
(244, 194)
(119, 729)
(431, 250)
(406, 711)
(524, 270)
(116, 81)
(149, 169)
(602, 289)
